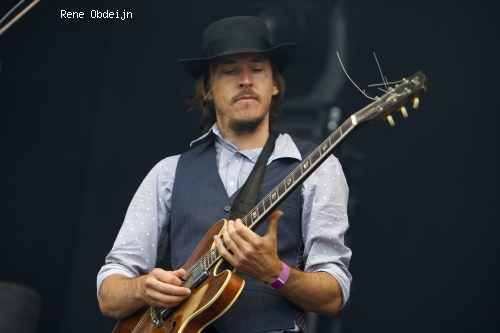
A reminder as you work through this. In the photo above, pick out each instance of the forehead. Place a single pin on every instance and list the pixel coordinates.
(242, 58)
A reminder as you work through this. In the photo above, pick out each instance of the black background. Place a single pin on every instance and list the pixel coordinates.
(88, 106)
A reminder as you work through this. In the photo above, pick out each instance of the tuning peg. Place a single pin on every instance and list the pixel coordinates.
(390, 120)
(415, 102)
(404, 112)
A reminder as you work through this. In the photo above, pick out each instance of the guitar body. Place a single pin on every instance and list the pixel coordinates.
(208, 301)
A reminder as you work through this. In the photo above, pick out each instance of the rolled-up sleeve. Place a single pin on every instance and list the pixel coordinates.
(325, 222)
(143, 236)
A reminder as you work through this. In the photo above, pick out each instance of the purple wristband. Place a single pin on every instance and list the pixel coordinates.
(280, 281)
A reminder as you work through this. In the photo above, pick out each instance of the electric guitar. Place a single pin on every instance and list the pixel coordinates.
(214, 287)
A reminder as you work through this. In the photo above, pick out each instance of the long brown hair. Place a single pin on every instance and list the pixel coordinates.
(203, 86)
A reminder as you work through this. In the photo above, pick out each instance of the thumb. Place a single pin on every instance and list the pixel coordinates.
(272, 224)
(179, 273)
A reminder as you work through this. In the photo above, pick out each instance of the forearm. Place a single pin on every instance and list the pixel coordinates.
(317, 292)
(120, 296)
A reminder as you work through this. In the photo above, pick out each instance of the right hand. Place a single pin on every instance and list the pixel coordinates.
(162, 288)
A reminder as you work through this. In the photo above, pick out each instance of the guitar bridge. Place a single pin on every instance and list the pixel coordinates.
(156, 317)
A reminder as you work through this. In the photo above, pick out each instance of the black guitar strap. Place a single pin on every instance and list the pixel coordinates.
(245, 200)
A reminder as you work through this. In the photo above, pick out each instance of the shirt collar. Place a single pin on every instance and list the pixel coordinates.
(284, 147)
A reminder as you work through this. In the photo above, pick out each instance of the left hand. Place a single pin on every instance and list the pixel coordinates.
(252, 254)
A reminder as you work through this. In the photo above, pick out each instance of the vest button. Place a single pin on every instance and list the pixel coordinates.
(227, 208)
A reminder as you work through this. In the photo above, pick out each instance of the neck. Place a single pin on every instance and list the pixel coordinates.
(249, 140)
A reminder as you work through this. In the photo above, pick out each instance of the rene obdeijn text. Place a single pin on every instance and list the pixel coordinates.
(98, 14)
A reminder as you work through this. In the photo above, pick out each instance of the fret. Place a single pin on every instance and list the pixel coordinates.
(314, 157)
(345, 126)
(305, 165)
(267, 202)
(334, 137)
(210, 258)
(206, 261)
(244, 220)
(281, 188)
(325, 146)
(274, 196)
(215, 256)
(288, 181)
(254, 213)
(297, 173)
(261, 209)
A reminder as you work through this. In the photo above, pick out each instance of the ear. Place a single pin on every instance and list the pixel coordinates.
(275, 89)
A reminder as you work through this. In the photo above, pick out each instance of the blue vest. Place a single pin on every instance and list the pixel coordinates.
(199, 200)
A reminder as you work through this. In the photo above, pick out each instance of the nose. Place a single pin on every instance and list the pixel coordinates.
(245, 79)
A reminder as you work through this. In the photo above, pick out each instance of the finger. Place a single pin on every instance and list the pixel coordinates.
(180, 273)
(169, 277)
(220, 245)
(240, 234)
(239, 238)
(156, 298)
(272, 224)
(166, 282)
(223, 251)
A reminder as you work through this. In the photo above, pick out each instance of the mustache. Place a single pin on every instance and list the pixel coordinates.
(246, 92)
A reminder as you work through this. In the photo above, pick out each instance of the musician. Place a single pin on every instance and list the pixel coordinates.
(297, 264)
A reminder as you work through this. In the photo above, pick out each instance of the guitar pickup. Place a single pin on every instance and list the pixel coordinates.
(200, 277)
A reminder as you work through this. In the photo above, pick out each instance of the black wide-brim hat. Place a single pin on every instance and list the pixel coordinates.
(234, 35)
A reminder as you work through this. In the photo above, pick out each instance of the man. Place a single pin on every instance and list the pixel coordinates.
(297, 265)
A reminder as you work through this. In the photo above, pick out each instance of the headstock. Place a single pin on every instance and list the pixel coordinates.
(394, 99)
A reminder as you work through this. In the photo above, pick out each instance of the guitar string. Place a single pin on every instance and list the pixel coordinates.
(384, 79)
(362, 91)
(383, 84)
(141, 322)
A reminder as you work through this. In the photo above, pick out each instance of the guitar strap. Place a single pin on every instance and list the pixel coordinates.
(245, 200)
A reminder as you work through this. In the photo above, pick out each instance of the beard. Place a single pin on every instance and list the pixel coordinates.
(246, 126)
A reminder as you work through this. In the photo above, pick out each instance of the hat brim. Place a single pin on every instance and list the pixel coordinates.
(280, 55)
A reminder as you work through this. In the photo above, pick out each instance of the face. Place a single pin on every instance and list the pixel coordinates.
(242, 89)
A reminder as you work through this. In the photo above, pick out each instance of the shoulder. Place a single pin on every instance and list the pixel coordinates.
(165, 169)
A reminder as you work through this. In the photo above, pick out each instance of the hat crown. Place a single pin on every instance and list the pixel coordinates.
(235, 35)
